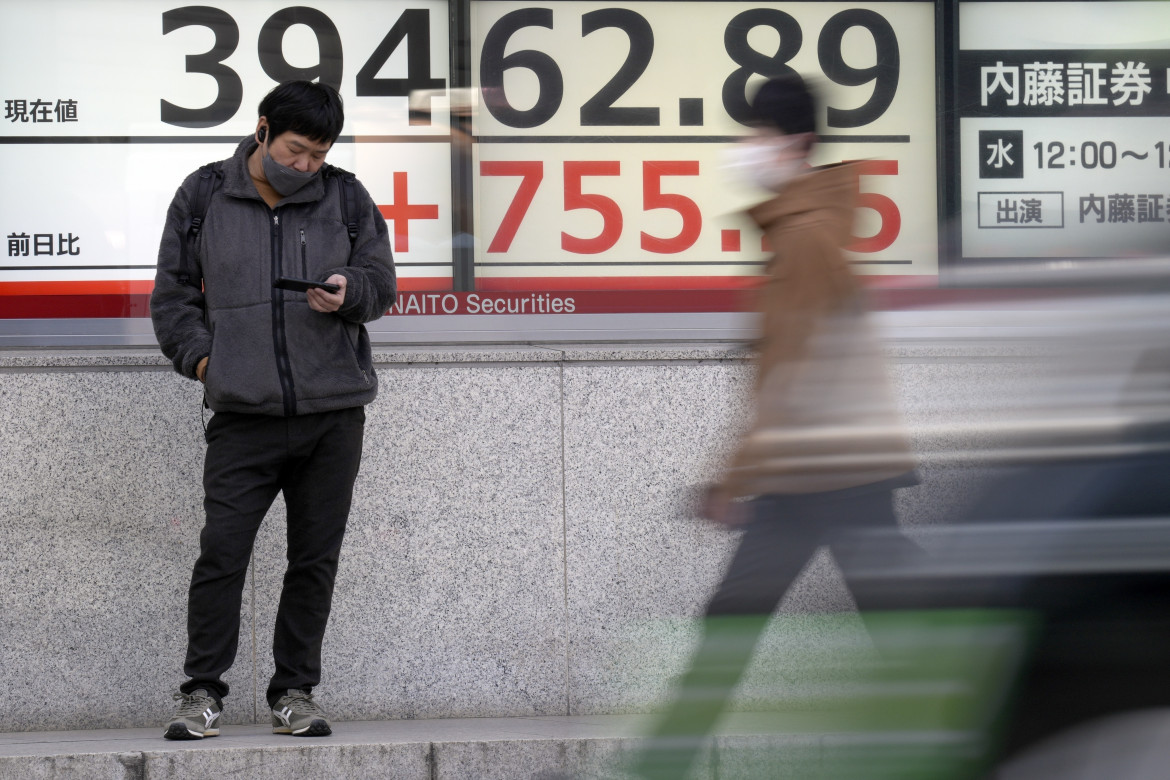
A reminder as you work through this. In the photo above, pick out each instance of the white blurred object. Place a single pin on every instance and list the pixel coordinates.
(462, 101)
(761, 160)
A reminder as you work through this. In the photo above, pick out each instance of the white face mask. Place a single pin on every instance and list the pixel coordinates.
(757, 161)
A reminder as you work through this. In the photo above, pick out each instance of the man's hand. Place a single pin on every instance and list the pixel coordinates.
(201, 370)
(326, 302)
(720, 509)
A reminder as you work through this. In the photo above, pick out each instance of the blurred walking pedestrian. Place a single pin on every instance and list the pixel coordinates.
(826, 449)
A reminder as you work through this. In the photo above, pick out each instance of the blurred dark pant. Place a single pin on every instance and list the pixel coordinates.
(1128, 486)
(783, 534)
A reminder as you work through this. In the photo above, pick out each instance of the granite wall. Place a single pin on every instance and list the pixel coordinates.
(523, 540)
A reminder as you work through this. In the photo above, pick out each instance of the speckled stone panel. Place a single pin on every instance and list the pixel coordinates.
(640, 442)
(544, 759)
(945, 388)
(524, 537)
(84, 766)
(449, 599)
(100, 511)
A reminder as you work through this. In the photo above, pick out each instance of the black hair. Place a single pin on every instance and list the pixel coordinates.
(785, 103)
(307, 108)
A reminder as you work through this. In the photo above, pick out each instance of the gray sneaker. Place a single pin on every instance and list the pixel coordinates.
(296, 713)
(198, 716)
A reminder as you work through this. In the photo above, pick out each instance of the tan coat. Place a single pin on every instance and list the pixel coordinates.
(825, 414)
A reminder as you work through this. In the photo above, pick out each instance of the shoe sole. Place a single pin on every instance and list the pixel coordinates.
(317, 728)
(179, 730)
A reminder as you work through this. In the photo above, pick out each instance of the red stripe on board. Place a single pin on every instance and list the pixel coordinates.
(421, 302)
(105, 287)
(592, 295)
(113, 299)
(575, 283)
(558, 283)
(428, 284)
(573, 302)
(39, 307)
(145, 286)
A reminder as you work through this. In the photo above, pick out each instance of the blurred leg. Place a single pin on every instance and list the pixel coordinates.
(775, 546)
(868, 510)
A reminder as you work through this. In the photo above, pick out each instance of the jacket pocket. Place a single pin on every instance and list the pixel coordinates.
(242, 368)
(321, 245)
(325, 359)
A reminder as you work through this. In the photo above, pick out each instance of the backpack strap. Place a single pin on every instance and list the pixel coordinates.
(210, 176)
(347, 188)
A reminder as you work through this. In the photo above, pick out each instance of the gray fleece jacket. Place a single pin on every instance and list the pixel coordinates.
(269, 353)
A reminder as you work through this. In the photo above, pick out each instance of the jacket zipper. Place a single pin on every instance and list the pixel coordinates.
(279, 337)
(304, 256)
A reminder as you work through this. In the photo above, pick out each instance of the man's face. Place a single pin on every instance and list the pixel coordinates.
(298, 152)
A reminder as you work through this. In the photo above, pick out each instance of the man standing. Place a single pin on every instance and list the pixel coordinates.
(287, 373)
(826, 449)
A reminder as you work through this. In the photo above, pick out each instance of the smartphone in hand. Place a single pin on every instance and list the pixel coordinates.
(304, 285)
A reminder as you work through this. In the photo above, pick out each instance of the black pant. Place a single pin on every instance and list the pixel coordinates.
(783, 534)
(313, 459)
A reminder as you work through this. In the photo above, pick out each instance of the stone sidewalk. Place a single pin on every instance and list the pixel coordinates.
(408, 749)
(748, 746)
(522, 748)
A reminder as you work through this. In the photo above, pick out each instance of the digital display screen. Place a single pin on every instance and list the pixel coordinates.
(109, 106)
(575, 166)
(601, 133)
(1064, 145)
